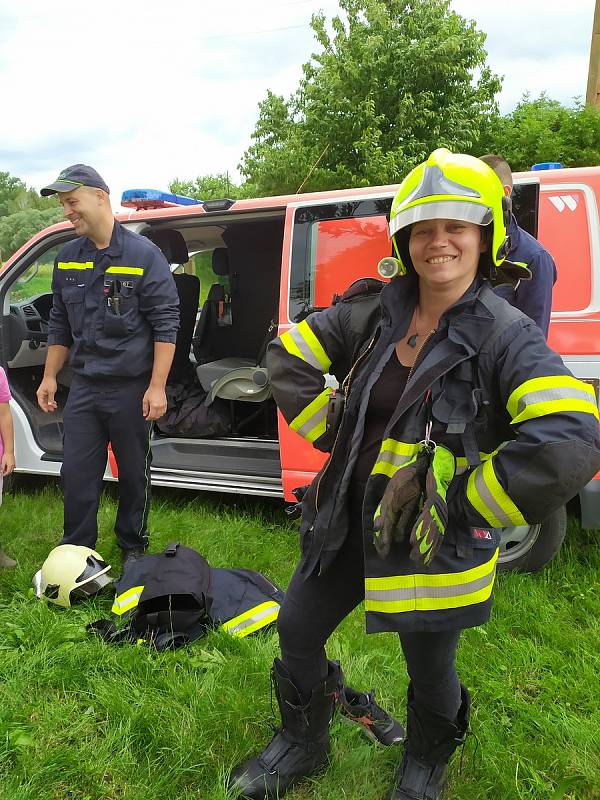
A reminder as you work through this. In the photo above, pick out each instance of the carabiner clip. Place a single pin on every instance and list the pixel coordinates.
(428, 442)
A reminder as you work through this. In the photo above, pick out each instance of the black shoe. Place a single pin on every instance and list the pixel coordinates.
(300, 747)
(430, 743)
(360, 708)
(132, 554)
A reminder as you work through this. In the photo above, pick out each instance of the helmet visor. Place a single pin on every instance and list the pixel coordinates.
(92, 587)
(93, 566)
(442, 209)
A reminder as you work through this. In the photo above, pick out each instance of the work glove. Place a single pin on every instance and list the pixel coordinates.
(400, 503)
(428, 532)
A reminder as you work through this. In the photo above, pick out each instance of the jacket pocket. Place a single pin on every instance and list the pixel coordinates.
(117, 326)
(459, 403)
(470, 540)
(74, 299)
(126, 303)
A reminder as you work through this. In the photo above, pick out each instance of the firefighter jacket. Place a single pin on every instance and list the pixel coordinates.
(524, 432)
(532, 297)
(173, 597)
(111, 305)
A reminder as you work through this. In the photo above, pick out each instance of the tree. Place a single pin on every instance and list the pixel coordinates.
(17, 228)
(545, 130)
(394, 80)
(207, 187)
(22, 213)
(10, 189)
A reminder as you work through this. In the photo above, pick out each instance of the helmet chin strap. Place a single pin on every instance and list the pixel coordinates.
(504, 249)
(506, 210)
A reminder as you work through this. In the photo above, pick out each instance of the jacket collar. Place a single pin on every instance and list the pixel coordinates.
(466, 322)
(469, 319)
(114, 249)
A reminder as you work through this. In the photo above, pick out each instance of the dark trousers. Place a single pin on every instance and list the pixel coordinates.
(96, 414)
(315, 605)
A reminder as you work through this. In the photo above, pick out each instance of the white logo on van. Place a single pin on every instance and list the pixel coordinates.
(560, 202)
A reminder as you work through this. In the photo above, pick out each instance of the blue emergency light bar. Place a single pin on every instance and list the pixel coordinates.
(154, 198)
(547, 165)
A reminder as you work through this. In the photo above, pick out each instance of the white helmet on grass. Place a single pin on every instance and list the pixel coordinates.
(71, 572)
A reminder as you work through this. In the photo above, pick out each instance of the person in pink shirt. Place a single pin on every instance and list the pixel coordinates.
(7, 450)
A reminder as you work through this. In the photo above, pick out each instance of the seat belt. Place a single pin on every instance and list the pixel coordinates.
(273, 325)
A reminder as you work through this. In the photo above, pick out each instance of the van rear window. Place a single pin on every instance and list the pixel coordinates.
(333, 245)
(345, 250)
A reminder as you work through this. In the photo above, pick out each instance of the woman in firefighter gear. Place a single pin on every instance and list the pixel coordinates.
(458, 420)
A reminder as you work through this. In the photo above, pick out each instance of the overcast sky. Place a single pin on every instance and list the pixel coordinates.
(146, 91)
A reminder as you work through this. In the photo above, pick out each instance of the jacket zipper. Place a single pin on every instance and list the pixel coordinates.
(345, 386)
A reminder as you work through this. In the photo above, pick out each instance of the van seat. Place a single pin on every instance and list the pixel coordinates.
(235, 379)
(173, 246)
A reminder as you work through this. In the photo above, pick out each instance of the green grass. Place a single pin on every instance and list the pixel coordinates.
(39, 284)
(83, 720)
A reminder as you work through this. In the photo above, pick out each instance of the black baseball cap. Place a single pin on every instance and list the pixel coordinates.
(74, 177)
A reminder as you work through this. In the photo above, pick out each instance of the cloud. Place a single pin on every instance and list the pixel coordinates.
(147, 91)
(538, 45)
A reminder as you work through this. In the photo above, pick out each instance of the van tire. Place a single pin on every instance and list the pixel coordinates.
(530, 552)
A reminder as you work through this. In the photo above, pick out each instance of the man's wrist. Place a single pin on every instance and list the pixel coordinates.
(157, 384)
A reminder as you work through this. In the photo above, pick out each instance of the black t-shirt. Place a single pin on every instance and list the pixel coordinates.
(383, 400)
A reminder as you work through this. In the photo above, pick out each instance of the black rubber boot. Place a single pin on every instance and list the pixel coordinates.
(430, 741)
(300, 746)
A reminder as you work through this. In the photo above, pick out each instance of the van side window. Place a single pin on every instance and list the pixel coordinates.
(332, 246)
(37, 278)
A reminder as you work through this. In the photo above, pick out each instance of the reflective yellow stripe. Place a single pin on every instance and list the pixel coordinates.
(75, 265)
(128, 600)
(301, 341)
(392, 455)
(551, 395)
(404, 593)
(258, 617)
(487, 496)
(462, 465)
(311, 422)
(126, 270)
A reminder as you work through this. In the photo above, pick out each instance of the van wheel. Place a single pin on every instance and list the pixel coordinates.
(528, 548)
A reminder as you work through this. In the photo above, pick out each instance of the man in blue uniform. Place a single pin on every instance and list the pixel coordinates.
(533, 297)
(115, 316)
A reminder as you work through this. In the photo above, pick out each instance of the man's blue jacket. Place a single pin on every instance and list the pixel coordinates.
(533, 297)
(111, 305)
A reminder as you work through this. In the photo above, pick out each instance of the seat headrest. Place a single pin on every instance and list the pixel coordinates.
(220, 261)
(172, 244)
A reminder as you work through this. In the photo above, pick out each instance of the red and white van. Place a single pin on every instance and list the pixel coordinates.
(273, 261)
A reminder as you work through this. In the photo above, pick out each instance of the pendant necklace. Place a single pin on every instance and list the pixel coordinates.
(411, 340)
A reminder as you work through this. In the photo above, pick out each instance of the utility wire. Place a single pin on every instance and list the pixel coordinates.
(250, 33)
